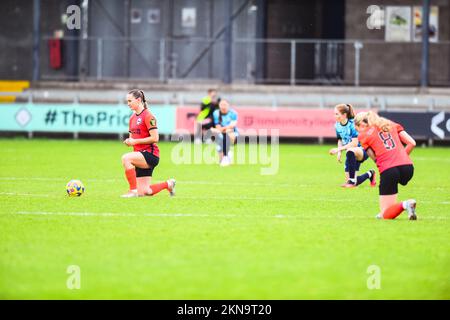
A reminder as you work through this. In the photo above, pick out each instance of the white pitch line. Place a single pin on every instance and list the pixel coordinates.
(431, 159)
(176, 215)
(23, 194)
(204, 197)
(115, 214)
(349, 200)
(247, 198)
(241, 198)
(285, 185)
(110, 214)
(205, 182)
(244, 198)
(17, 194)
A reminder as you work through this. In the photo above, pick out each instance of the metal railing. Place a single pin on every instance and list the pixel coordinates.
(380, 100)
(277, 61)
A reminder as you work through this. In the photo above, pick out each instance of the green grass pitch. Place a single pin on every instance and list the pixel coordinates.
(230, 233)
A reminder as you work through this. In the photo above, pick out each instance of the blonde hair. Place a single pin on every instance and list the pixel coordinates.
(347, 109)
(373, 120)
(361, 117)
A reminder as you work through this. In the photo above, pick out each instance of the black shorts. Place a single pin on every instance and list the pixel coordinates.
(151, 160)
(390, 178)
(208, 125)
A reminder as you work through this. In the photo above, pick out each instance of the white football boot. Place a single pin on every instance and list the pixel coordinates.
(130, 194)
(411, 208)
(225, 161)
(171, 184)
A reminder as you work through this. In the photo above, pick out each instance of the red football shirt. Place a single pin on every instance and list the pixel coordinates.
(140, 127)
(387, 146)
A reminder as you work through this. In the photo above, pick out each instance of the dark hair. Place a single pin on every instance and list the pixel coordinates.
(136, 93)
(346, 109)
(211, 90)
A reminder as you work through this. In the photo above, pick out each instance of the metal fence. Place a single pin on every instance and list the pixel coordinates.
(271, 61)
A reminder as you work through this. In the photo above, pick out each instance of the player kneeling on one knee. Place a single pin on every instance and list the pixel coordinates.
(140, 163)
(389, 145)
(348, 141)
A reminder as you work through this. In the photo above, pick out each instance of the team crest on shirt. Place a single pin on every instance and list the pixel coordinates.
(153, 122)
(139, 121)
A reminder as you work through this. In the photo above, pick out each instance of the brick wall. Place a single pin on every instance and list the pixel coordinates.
(394, 63)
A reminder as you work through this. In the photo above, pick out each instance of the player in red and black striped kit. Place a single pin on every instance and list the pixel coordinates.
(143, 137)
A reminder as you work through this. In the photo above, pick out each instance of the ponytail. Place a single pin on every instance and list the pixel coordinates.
(346, 109)
(136, 93)
(143, 99)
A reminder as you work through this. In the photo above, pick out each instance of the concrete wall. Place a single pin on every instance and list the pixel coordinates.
(16, 39)
(394, 63)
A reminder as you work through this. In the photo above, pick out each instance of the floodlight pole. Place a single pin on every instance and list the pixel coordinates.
(424, 81)
(228, 36)
(36, 38)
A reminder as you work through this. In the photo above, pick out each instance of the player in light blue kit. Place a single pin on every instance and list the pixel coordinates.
(225, 130)
(348, 140)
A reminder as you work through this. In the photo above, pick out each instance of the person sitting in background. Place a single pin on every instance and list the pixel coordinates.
(205, 119)
(225, 131)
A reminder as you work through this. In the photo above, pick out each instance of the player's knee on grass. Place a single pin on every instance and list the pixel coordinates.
(143, 181)
(144, 191)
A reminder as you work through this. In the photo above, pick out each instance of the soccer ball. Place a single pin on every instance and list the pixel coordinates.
(75, 188)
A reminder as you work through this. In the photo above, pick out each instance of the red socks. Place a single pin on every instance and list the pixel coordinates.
(131, 177)
(157, 187)
(393, 211)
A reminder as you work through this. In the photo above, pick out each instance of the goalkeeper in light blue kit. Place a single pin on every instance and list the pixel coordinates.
(225, 131)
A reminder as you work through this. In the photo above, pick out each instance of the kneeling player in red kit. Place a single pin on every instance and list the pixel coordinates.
(389, 145)
(140, 163)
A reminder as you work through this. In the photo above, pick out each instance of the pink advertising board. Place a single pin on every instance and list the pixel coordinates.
(290, 122)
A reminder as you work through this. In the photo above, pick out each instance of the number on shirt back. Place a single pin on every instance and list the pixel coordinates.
(388, 142)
